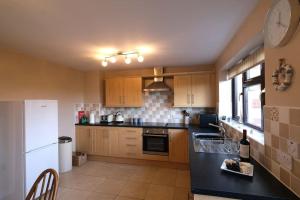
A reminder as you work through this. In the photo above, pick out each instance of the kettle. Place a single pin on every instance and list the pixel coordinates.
(119, 117)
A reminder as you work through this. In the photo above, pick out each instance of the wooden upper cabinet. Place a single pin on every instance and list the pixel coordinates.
(123, 92)
(114, 92)
(83, 139)
(182, 91)
(178, 145)
(196, 90)
(203, 90)
(133, 92)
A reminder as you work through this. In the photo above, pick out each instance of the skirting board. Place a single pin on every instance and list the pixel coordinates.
(139, 162)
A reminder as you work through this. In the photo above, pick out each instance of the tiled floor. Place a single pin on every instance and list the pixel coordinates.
(109, 181)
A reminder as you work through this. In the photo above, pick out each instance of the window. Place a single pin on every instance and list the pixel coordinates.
(247, 97)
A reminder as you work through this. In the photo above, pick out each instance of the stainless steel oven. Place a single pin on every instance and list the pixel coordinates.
(156, 141)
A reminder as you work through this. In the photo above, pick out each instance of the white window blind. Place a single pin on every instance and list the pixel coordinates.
(250, 61)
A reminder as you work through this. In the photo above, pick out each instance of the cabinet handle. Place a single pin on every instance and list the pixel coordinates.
(188, 99)
(130, 138)
(192, 99)
(124, 100)
(131, 145)
(131, 131)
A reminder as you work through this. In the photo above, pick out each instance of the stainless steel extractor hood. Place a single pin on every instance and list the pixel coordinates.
(158, 84)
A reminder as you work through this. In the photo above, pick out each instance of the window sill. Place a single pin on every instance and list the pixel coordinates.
(254, 134)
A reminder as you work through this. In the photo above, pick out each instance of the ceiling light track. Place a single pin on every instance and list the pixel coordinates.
(127, 57)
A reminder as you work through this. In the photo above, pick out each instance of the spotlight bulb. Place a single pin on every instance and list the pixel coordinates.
(113, 59)
(104, 63)
(140, 58)
(127, 60)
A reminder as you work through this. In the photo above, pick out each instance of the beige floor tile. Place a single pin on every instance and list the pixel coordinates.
(160, 192)
(144, 174)
(165, 176)
(183, 179)
(110, 186)
(181, 194)
(135, 190)
(100, 196)
(79, 182)
(70, 194)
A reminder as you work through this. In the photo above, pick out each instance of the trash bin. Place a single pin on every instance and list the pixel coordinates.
(65, 154)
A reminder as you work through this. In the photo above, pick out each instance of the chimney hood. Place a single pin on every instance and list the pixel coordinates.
(158, 84)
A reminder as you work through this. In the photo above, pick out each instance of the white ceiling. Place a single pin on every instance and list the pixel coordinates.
(73, 32)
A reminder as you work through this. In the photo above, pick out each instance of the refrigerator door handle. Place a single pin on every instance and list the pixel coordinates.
(40, 148)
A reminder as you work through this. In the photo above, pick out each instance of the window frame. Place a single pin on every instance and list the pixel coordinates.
(247, 83)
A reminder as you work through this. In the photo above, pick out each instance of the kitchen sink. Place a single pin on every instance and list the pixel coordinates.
(215, 143)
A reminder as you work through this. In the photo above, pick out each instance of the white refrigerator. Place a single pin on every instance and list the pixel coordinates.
(28, 144)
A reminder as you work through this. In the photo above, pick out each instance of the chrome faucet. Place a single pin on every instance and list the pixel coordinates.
(221, 128)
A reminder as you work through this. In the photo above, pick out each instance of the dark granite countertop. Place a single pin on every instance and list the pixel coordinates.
(141, 125)
(208, 179)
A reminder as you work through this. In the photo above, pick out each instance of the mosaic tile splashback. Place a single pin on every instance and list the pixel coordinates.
(280, 153)
(157, 108)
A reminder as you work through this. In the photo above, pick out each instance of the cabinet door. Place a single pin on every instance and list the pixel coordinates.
(182, 91)
(100, 141)
(203, 90)
(178, 145)
(133, 92)
(114, 142)
(114, 92)
(83, 139)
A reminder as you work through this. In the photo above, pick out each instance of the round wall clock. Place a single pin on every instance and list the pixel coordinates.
(282, 21)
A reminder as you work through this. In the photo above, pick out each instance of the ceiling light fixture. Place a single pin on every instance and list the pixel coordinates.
(104, 63)
(127, 57)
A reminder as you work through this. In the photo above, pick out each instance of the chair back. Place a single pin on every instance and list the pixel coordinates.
(45, 187)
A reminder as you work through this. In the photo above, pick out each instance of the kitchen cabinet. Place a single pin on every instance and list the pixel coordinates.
(123, 92)
(100, 141)
(130, 142)
(114, 142)
(178, 145)
(83, 139)
(197, 90)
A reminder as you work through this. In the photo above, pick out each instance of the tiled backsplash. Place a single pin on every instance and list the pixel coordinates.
(157, 108)
(280, 153)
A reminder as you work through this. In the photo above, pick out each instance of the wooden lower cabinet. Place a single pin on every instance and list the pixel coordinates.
(83, 139)
(100, 141)
(178, 145)
(130, 142)
(127, 143)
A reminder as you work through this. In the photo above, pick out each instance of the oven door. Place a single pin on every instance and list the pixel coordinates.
(156, 144)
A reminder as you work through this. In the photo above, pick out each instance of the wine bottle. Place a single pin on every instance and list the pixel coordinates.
(244, 148)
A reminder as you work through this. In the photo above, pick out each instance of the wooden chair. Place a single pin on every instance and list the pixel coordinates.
(46, 185)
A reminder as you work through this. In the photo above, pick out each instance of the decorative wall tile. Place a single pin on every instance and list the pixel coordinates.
(285, 160)
(274, 114)
(284, 114)
(274, 128)
(296, 168)
(285, 176)
(284, 130)
(267, 113)
(295, 116)
(295, 184)
(275, 168)
(294, 149)
(283, 145)
(275, 141)
(157, 108)
(267, 125)
(295, 133)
